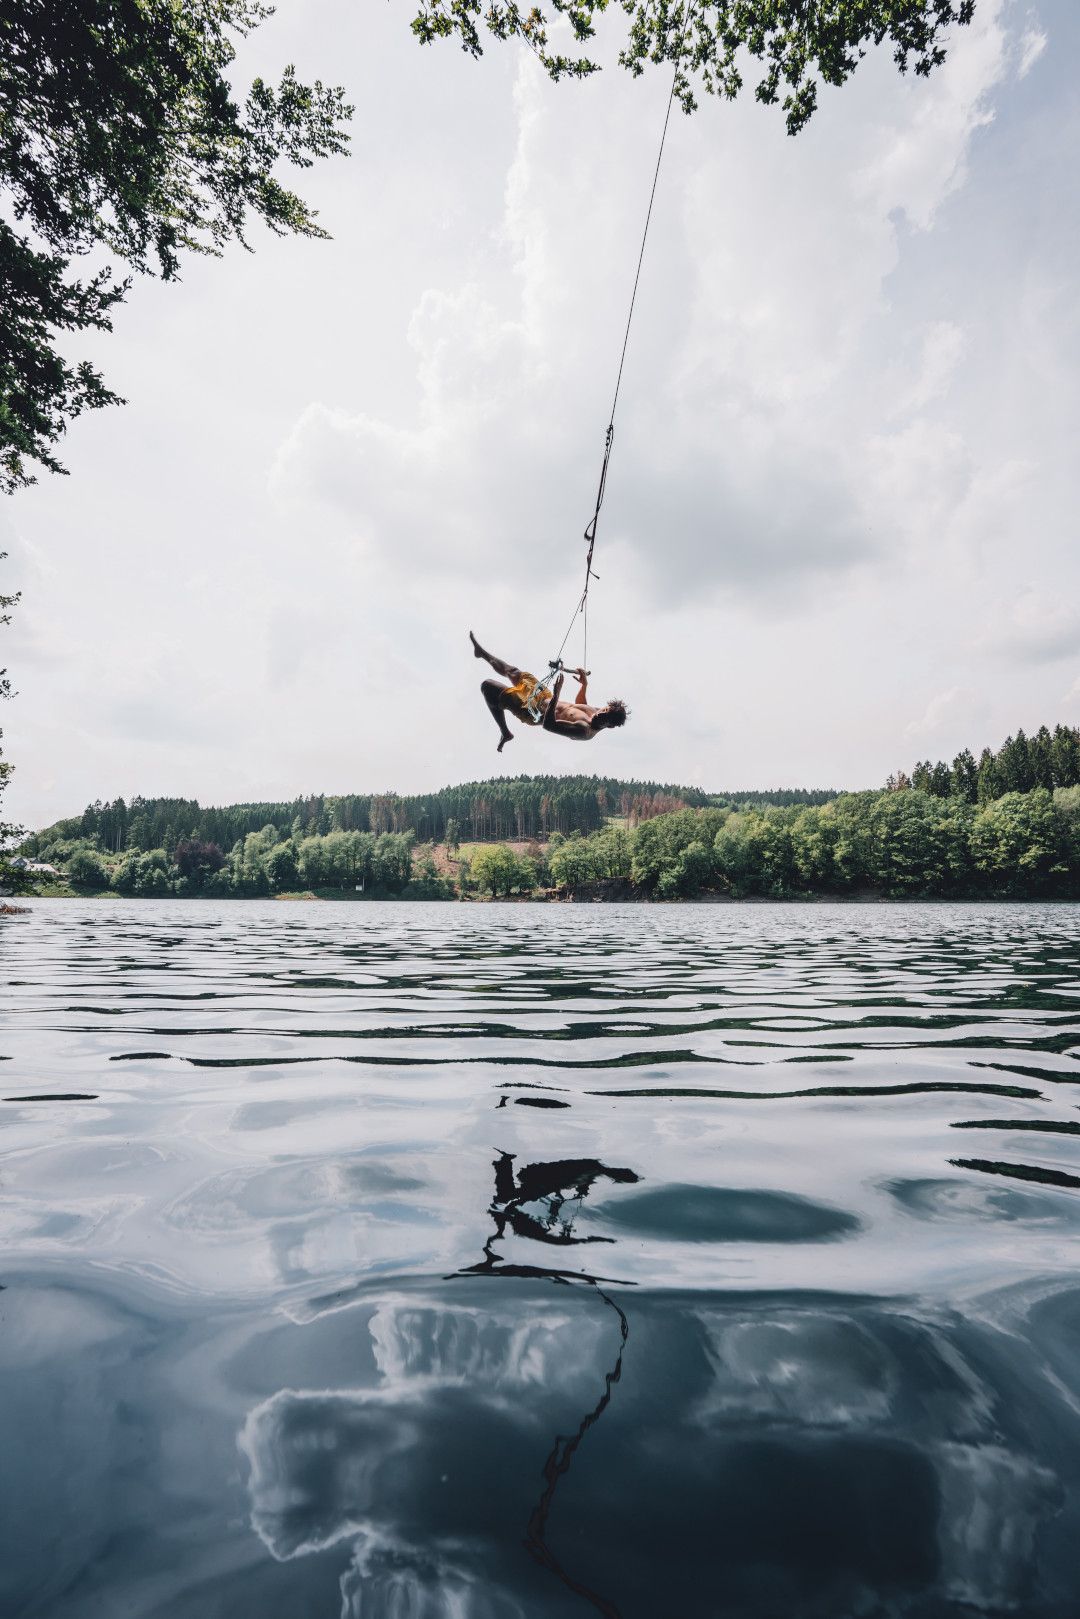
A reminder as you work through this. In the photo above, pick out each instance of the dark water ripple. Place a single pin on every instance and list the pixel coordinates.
(450, 1262)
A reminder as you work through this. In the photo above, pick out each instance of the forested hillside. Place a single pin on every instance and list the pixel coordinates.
(898, 843)
(520, 807)
(1005, 825)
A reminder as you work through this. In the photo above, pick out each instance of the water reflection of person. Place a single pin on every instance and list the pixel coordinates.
(556, 1190)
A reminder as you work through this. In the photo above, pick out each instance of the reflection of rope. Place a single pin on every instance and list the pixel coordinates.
(558, 1463)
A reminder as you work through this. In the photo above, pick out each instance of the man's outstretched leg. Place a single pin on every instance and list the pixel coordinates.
(493, 697)
(507, 670)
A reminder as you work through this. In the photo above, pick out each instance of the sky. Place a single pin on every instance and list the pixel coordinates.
(841, 521)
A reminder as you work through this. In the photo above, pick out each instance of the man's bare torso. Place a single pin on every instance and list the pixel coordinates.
(579, 715)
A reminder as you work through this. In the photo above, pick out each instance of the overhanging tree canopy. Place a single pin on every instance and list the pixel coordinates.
(799, 43)
(120, 131)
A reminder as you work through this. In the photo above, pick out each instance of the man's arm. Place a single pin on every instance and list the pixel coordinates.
(583, 675)
(570, 728)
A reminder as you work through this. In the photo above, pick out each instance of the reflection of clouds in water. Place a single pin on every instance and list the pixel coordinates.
(314, 1459)
(248, 1197)
(325, 1468)
(822, 1372)
(954, 1199)
(317, 1216)
(991, 1502)
(799, 1456)
(403, 1476)
(474, 1346)
(382, 1584)
(406, 1471)
(829, 1372)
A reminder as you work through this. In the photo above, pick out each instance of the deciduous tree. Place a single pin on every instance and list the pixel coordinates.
(86, 869)
(1020, 843)
(796, 45)
(121, 136)
(196, 860)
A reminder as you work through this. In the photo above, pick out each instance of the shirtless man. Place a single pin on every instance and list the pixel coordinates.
(577, 720)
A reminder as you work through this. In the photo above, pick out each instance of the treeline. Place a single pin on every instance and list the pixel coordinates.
(522, 807)
(262, 864)
(899, 844)
(1049, 759)
(1006, 824)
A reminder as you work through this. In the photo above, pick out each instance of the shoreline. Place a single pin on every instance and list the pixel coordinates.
(20, 904)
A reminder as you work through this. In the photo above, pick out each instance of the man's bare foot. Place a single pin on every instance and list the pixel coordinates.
(478, 651)
(509, 737)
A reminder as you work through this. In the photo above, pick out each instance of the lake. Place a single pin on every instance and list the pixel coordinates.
(512, 1261)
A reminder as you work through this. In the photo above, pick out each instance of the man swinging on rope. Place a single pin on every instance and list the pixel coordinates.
(533, 704)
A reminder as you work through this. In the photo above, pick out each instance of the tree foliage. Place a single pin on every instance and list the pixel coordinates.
(257, 865)
(1048, 759)
(85, 869)
(197, 861)
(495, 869)
(898, 845)
(120, 133)
(905, 845)
(1008, 825)
(797, 46)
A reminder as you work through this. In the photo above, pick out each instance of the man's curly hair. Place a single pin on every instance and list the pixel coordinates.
(614, 713)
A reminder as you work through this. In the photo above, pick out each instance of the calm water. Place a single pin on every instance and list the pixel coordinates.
(505, 1262)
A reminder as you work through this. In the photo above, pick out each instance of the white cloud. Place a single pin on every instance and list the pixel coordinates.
(1036, 628)
(941, 346)
(918, 160)
(752, 448)
(1031, 46)
(942, 709)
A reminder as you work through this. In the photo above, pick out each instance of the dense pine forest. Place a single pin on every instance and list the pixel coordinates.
(1005, 825)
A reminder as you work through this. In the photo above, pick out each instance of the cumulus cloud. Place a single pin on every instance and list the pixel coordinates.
(1036, 628)
(940, 348)
(1032, 43)
(918, 160)
(942, 709)
(752, 447)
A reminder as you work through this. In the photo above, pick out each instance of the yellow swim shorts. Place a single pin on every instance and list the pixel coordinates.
(525, 689)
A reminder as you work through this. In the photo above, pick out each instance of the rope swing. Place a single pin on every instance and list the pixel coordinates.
(582, 608)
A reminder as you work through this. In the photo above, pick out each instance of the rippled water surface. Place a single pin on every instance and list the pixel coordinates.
(504, 1262)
